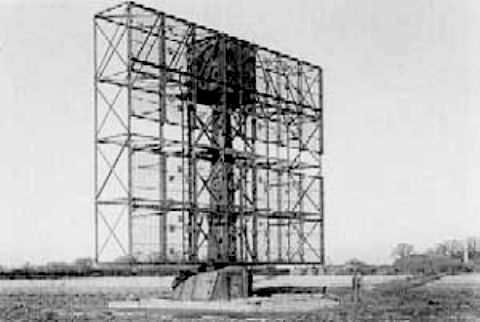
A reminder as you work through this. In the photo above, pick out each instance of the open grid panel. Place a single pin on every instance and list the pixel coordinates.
(207, 148)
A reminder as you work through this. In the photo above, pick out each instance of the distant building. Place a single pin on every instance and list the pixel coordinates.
(429, 264)
(87, 262)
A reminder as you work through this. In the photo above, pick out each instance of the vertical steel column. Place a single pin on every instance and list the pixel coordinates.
(241, 224)
(230, 105)
(267, 183)
(129, 127)
(162, 101)
(287, 120)
(279, 172)
(279, 189)
(253, 129)
(222, 136)
(192, 164)
(95, 158)
(185, 232)
(300, 177)
(216, 220)
(242, 111)
(254, 190)
(301, 239)
(322, 205)
(268, 116)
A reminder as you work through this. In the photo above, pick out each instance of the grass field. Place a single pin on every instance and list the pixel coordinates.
(451, 298)
(383, 298)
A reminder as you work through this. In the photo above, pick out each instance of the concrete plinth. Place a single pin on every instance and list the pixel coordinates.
(275, 304)
(228, 283)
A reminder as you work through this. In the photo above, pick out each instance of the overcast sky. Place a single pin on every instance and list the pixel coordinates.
(402, 78)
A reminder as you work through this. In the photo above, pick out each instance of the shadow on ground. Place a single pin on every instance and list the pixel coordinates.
(270, 291)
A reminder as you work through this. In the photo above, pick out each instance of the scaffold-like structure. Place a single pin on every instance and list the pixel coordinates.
(207, 148)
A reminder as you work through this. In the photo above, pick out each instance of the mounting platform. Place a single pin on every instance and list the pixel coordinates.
(231, 282)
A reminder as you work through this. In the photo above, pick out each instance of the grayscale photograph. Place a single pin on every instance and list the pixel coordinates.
(209, 160)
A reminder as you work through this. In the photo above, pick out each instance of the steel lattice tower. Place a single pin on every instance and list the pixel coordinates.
(207, 148)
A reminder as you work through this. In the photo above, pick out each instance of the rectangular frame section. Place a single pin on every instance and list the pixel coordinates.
(207, 148)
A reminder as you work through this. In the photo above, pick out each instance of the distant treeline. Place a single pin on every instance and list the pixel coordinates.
(62, 270)
(76, 270)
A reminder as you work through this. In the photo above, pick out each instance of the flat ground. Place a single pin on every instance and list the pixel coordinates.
(383, 298)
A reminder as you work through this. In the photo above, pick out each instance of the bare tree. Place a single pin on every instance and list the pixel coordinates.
(441, 249)
(402, 250)
(451, 248)
(473, 246)
(456, 248)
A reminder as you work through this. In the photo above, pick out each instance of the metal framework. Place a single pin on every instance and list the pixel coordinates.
(207, 148)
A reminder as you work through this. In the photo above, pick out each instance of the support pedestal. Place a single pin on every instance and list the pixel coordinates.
(227, 283)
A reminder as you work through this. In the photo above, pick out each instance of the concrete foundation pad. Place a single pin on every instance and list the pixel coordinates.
(280, 303)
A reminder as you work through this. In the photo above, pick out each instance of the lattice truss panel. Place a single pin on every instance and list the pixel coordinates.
(207, 148)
